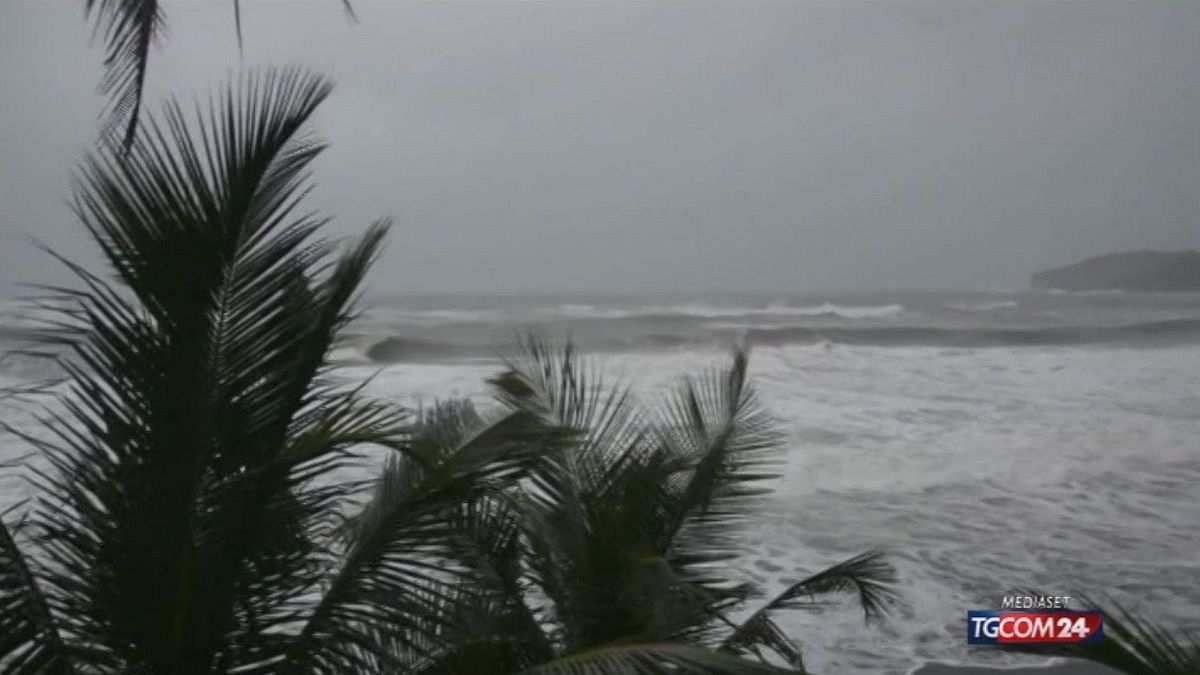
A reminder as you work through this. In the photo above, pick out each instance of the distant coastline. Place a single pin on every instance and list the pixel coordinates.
(1148, 271)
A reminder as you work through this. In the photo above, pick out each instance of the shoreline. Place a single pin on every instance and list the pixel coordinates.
(1056, 667)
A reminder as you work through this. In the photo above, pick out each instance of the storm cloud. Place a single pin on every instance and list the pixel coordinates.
(694, 146)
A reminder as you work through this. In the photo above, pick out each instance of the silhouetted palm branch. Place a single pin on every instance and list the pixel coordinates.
(188, 516)
(628, 522)
(722, 446)
(29, 639)
(400, 579)
(867, 577)
(129, 30)
(1132, 644)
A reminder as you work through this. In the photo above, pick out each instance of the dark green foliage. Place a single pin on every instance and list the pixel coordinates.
(617, 545)
(187, 521)
(28, 637)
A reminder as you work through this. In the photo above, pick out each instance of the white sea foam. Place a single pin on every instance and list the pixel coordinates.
(982, 470)
(1067, 469)
(401, 316)
(989, 306)
(718, 311)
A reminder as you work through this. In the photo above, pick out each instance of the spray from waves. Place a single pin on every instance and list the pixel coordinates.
(982, 306)
(416, 350)
(1147, 334)
(433, 316)
(1153, 333)
(718, 312)
(589, 311)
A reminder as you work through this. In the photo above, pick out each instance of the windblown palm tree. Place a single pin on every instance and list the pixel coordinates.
(129, 30)
(615, 549)
(188, 520)
(198, 513)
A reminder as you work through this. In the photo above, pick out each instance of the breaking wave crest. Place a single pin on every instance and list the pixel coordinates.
(718, 312)
(1154, 333)
(584, 311)
(989, 306)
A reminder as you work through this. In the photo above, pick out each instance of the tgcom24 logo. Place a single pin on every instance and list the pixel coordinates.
(1035, 620)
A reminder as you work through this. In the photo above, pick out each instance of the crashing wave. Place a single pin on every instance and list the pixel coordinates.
(982, 306)
(824, 310)
(1173, 331)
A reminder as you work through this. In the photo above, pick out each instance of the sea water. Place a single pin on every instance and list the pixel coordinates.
(988, 442)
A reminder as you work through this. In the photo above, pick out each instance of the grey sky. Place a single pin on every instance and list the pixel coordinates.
(643, 146)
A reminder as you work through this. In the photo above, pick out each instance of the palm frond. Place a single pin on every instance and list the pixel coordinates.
(563, 390)
(719, 446)
(29, 638)
(672, 489)
(499, 627)
(601, 431)
(759, 636)
(129, 31)
(601, 487)
(1132, 644)
(189, 485)
(868, 577)
(237, 17)
(554, 382)
(402, 572)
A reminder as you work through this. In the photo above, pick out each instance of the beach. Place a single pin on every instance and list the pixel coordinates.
(1072, 668)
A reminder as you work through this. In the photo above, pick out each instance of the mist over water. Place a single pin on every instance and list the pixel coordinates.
(989, 441)
(456, 327)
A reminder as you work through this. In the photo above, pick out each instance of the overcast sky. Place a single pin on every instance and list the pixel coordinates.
(645, 146)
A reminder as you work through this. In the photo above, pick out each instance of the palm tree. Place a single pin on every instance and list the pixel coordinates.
(129, 30)
(1132, 644)
(197, 514)
(617, 544)
(187, 522)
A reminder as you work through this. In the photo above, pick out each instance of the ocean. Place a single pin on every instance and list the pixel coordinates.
(988, 441)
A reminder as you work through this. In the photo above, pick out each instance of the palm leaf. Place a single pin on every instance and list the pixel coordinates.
(625, 523)
(190, 486)
(400, 584)
(602, 486)
(868, 577)
(1132, 644)
(572, 481)
(718, 445)
(29, 638)
(564, 391)
(498, 627)
(129, 31)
